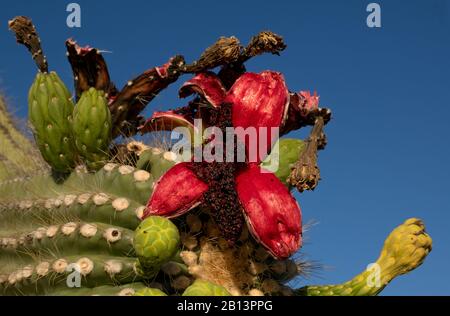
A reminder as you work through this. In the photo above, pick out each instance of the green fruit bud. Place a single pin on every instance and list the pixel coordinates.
(287, 151)
(205, 288)
(50, 111)
(156, 241)
(92, 128)
(150, 292)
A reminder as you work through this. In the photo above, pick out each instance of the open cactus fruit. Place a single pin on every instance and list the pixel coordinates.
(92, 208)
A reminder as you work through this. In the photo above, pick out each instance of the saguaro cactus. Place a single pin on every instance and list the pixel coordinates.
(133, 219)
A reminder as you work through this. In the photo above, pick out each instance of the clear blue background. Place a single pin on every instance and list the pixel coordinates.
(388, 152)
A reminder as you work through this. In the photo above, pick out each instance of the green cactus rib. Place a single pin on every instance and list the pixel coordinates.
(70, 239)
(86, 196)
(88, 207)
(18, 154)
(92, 128)
(156, 161)
(132, 289)
(117, 180)
(287, 152)
(50, 113)
(204, 288)
(404, 250)
(127, 181)
(48, 276)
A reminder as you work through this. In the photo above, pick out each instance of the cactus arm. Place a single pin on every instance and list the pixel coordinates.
(88, 207)
(404, 250)
(19, 155)
(113, 179)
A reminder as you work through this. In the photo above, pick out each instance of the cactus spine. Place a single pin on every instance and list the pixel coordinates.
(404, 250)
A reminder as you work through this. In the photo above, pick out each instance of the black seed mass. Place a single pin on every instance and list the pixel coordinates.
(222, 198)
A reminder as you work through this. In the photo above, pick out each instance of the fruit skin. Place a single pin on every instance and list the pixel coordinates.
(50, 110)
(205, 288)
(288, 151)
(92, 128)
(150, 292)
(156, 241)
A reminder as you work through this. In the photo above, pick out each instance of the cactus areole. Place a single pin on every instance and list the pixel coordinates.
(234, 191)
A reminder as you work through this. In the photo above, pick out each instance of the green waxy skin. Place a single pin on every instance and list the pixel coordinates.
(70, 239)
(114, 195)
(288, 153)
(150, 292)
(129, 181)
(50, 112)
(156, 241)
(205, 288)
(50, 275)
(105, 290)
(92, 128)
(157, 162)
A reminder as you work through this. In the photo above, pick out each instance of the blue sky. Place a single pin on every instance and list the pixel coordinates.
(389, 89)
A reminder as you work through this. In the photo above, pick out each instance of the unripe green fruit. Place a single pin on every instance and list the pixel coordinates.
(92, 128)
(288, 153)
(205, 288)
(50, 111)
(156, 241)
(150, 292)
